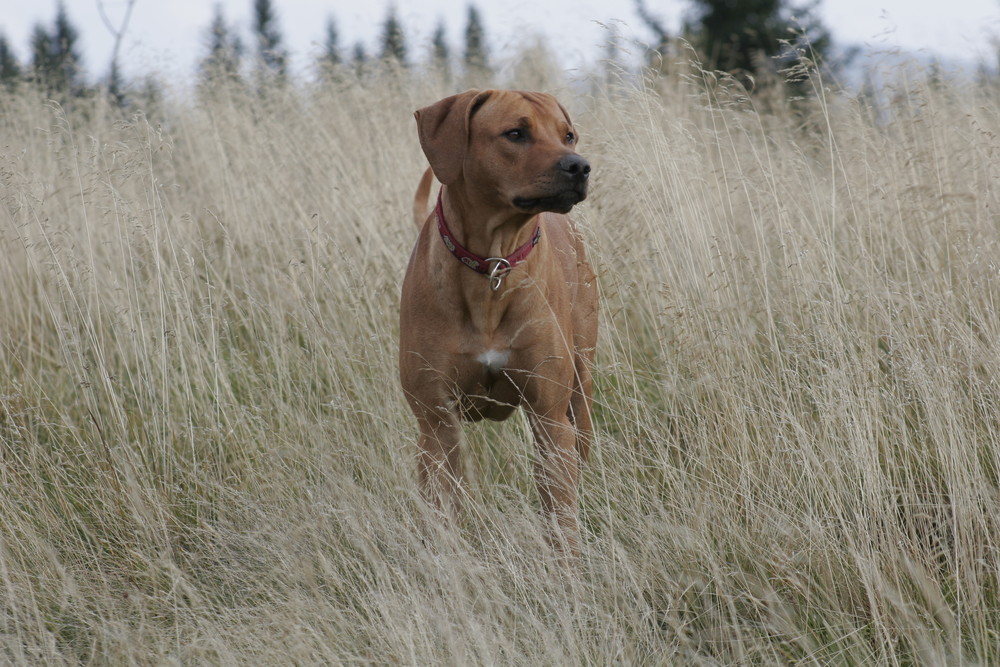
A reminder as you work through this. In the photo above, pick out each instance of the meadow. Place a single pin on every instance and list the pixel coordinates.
(205, 456)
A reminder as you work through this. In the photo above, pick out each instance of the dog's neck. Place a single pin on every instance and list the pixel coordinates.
(486, 230)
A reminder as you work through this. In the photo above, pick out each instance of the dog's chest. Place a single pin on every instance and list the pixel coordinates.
(495, 342)
(494, 360)
(488, 388)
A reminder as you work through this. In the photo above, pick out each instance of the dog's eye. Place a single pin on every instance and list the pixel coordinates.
(570, 138)
(515, 135)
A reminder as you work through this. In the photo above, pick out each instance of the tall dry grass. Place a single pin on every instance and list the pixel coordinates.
(205, 458)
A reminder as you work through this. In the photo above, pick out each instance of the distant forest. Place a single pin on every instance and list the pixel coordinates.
(749, 40)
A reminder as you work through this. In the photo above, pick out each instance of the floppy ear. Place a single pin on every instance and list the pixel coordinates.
(443, 128)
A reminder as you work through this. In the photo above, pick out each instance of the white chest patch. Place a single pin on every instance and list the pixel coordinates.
(494, 360)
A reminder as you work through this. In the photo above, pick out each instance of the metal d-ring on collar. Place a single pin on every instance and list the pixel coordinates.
(501, 266)
(498, 272)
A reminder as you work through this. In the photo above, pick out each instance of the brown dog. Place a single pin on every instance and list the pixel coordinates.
(499, 304)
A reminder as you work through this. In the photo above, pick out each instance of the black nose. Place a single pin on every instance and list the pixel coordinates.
(575, 166)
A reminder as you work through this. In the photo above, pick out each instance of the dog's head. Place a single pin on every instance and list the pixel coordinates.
(512, 148)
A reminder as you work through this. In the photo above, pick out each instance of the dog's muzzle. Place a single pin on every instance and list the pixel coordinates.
(572, 173)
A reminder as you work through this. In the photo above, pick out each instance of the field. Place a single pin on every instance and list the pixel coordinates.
(205, 456)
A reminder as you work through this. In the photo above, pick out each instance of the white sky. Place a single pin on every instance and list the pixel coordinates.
(169, 35)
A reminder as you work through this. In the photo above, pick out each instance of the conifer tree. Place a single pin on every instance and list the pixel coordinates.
(476, 57)
(440, 53)
(753, 35)
(393, 41)
(331, 45)
(359, 59)
(10, 68)
(67, 53)
(55, 56)
(225, 51)
(42, 69)
(272, 59)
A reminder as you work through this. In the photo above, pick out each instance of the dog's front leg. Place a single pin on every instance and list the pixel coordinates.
(440, 461)
(557, 474)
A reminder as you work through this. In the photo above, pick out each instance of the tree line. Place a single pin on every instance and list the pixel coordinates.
(269, 57)
(55, 63)
(743, 37)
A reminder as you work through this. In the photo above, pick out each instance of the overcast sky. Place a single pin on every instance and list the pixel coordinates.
(169, 36)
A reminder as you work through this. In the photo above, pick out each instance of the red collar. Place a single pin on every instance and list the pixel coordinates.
(494, 267)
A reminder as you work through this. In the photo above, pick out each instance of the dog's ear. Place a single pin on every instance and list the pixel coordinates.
(443, 128)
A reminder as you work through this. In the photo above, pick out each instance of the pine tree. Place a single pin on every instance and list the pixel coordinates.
(476, 60)
(55, 57)
(224, 51)
(10, 68)
(359, 59)
(331, 45)
(272, 58)
(393, 41)
(440, 53)
(67, 53)
(753, 35)
(42, 69)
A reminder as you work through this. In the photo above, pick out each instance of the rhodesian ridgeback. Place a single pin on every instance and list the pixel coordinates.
(499, 305)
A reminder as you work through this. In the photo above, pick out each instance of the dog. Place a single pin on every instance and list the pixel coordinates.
(499, 305)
